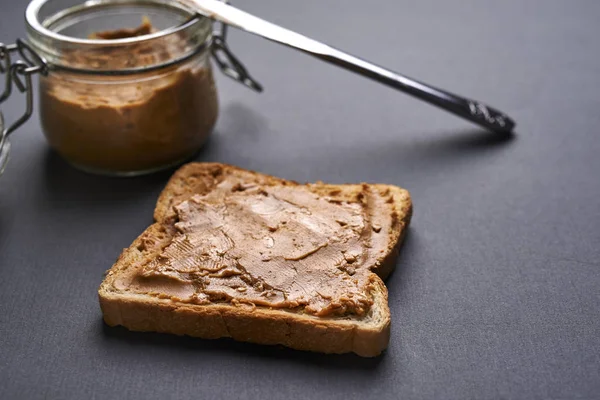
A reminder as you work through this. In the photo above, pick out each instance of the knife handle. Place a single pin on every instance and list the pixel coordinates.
(472, 110)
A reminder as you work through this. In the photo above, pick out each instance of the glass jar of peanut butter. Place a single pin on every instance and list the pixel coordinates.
(126, 86)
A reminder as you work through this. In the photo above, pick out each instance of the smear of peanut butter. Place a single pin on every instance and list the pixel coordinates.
(279, 246)
(144, 29)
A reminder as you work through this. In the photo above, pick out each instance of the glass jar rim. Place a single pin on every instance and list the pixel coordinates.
(50, 45)
(35, 25)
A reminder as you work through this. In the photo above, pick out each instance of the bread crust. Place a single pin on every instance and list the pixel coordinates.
(366, 336)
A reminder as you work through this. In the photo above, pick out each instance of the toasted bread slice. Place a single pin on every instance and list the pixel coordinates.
(171, 297)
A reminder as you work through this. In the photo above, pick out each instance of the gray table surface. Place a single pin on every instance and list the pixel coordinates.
(497, 290)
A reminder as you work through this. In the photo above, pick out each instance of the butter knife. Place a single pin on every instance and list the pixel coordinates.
(472, 110)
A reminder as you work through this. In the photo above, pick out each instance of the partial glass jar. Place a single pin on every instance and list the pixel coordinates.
(122, 98)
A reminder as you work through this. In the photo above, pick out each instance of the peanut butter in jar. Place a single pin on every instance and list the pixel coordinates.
(130, 101)
(122, 126)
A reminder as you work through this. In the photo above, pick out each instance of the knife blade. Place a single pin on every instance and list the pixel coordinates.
(472, 110)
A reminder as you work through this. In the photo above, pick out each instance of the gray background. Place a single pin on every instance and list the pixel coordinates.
(496, 294)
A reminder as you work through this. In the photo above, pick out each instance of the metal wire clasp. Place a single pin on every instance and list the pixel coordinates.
(228, 62)
(19, 73)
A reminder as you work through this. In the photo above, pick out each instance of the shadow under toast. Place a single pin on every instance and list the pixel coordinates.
(229, 346)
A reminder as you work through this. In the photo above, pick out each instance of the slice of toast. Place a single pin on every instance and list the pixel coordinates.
(239, 254)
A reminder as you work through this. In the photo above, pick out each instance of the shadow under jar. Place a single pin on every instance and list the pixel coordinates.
(122, 100)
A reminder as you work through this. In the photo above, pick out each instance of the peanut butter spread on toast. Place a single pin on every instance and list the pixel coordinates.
(281, 246)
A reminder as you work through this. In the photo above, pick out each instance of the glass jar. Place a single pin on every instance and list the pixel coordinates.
(126, 86)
